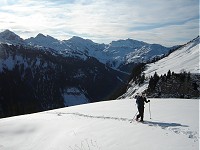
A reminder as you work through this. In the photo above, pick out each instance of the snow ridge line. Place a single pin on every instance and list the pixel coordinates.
(90, 116)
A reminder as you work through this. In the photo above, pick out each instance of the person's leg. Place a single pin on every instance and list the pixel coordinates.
(138, 116)
(142, 113)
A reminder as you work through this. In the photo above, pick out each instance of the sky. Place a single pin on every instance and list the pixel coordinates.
(166, 22)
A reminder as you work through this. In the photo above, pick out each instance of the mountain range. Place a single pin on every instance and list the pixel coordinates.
(42, 73)
(117, 54)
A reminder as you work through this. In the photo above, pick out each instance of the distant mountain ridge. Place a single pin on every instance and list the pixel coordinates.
(116, 54)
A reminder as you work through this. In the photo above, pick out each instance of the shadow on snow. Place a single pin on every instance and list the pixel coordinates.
(164, 124)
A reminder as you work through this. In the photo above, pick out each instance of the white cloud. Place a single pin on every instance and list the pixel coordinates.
(105, 20)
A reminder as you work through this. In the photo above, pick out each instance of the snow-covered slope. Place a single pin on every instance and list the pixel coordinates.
(106, 126)
(186, 58)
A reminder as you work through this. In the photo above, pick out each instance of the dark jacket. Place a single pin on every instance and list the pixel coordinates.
(140, 101)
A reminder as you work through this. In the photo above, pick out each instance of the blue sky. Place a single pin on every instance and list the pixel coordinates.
(167, 22)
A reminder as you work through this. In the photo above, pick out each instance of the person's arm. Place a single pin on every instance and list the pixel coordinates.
(145, 99)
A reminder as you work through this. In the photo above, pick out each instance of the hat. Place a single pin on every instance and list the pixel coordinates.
(143, 94)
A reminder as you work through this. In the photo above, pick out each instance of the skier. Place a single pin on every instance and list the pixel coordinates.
(140, 99)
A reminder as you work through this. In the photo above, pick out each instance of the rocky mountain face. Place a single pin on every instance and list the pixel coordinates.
(10, 37)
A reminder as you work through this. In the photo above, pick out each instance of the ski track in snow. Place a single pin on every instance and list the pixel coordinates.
(90, 116)
(173, 127)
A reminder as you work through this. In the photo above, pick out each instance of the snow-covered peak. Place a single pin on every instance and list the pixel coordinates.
(127, 43)
(41, 40)
(8, 34)
(76, 38)
(86, 46)
(10, 37)
(79, 40)
(133, 51)
(40, 35)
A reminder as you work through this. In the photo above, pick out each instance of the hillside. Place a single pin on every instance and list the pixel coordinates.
(185, 58)
(33, 80)
(182, 63)
(106, 126)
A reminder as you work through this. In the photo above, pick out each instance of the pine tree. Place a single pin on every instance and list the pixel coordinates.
(153, 82)
(156, 77)
(169, 74)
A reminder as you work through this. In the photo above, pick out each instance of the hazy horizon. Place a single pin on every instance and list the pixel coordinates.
(168, 23)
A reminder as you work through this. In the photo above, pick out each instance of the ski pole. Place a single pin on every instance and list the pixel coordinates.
(149, 110)
(134, 117)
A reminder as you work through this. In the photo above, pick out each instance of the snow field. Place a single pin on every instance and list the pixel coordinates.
(106, 126)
